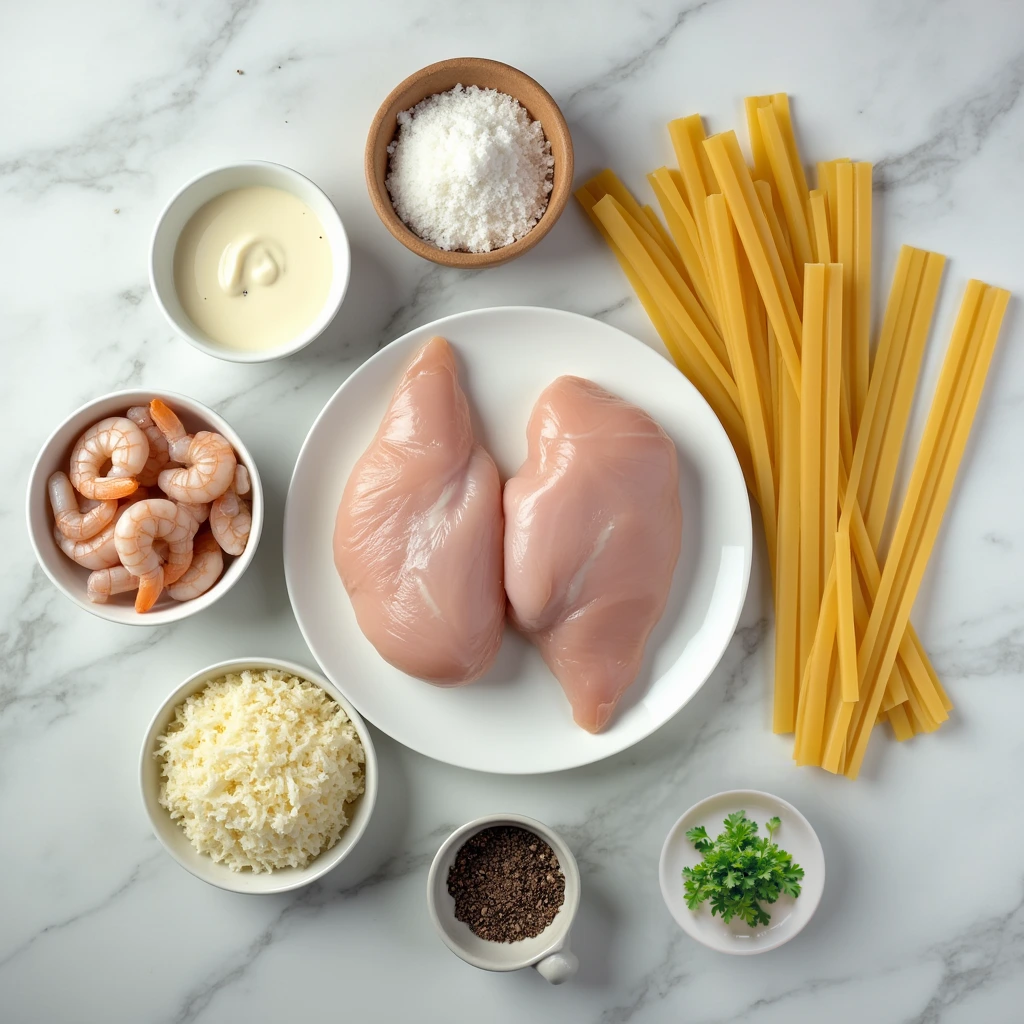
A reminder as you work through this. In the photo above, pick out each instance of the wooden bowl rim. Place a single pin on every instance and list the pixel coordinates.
(381, 198)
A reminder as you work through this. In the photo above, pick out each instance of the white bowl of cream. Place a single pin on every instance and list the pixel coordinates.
(249, 262)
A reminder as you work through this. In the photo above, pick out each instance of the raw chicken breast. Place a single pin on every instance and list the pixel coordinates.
(592, 535)
(417, 541)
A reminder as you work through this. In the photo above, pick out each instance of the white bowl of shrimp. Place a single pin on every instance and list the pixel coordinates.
(139, 521)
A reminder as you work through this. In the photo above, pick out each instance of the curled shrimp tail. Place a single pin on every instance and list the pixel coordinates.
(151, 585)
(166, 419)
(172, 428)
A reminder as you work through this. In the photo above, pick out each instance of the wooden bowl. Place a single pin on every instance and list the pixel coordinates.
(440, 77)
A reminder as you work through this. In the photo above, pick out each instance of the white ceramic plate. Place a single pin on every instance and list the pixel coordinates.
(516, 720)
(788, 915)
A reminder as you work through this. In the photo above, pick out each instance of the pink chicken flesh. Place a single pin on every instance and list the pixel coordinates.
(593, 529)
(417, 541)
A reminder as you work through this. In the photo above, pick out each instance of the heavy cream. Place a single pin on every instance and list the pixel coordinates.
(253, 267)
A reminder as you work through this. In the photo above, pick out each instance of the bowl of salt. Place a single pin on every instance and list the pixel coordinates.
(469, 163)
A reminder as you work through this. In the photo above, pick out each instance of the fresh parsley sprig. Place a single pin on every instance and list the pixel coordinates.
(740, 870)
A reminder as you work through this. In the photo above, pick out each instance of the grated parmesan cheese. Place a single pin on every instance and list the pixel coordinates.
(469, 169)
(258, 768)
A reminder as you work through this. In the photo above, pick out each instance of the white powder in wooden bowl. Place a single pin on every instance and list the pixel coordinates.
(259, 769)
(469, 169)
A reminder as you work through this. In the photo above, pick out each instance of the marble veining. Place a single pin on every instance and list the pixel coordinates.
(625, 69)
(960, 131)
(97, 157)
(116, 106)
(138, 871)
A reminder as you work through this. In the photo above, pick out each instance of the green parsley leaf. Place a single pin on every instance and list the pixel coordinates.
(740, 870)
(699, 837)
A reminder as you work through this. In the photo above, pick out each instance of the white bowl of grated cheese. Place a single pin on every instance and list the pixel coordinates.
(258, 768)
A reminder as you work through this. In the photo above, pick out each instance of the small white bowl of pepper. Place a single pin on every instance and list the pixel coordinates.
(503, 892)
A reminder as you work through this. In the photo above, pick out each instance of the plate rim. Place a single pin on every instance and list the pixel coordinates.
(436, 326)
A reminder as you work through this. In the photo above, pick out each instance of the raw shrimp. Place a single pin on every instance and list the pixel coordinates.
(241, 484)
(134, 537)
(98, 552)
(207, 565)
(167, 422)
(199, 511)
(231, 521)
(159, 456)
(72, 521)
(209, 472)
(118, 579)
(117, 440)
(208, 460)
(104, 583)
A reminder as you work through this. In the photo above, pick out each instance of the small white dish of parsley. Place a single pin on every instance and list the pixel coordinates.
(742, 871)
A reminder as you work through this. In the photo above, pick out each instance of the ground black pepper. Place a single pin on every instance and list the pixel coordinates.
(506, 883)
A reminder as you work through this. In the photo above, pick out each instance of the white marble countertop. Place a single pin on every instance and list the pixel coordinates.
(107, 109)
